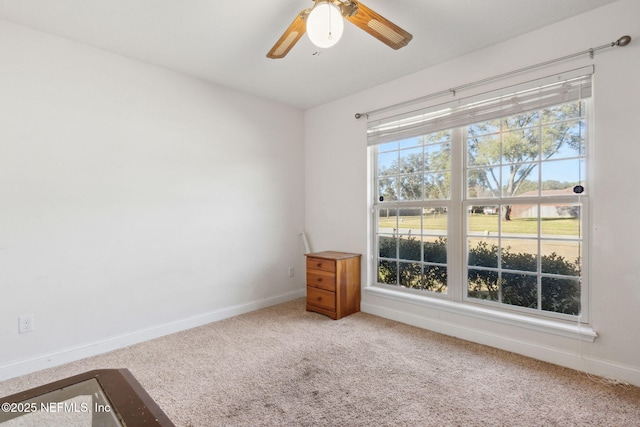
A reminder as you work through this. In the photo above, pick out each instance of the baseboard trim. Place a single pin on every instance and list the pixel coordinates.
(612, 371)
(71, 354)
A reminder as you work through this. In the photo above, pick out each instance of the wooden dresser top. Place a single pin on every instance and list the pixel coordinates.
(332, 255)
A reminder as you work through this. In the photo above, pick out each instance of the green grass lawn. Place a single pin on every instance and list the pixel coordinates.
(482, 223)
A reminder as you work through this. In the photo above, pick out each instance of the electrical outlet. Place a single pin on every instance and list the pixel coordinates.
(291, 271)
(25, 324)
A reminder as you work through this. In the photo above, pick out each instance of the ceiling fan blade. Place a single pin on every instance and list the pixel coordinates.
(379, 27)
(290, 36)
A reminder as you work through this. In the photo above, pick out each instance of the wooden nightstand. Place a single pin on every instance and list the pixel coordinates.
(333, 283)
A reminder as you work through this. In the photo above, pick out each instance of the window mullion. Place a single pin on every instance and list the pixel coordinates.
(456, 220)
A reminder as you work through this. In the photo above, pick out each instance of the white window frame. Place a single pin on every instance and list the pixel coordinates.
(456, 299)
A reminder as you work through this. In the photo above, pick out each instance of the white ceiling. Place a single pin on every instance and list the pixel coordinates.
(225, 42)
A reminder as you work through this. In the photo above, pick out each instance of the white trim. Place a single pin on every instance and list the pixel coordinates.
(569, 330)
(71, 354)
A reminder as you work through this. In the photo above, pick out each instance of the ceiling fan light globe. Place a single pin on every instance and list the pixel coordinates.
(325, 25)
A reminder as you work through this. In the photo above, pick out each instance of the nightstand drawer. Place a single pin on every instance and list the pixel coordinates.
(321, 264)
(321, 279)
(321, 298)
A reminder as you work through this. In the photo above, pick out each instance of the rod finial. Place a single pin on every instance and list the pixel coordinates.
(359, 115)
(623, 41)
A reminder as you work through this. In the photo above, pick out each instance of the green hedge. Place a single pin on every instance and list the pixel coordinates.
(560, 295)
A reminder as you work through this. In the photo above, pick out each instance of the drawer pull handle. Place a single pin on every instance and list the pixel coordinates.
(319, 264)
(319, 279)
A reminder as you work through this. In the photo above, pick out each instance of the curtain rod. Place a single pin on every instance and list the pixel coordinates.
(622, 41)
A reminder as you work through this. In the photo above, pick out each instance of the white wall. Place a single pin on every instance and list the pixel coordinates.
(135, 201)
(337, 202)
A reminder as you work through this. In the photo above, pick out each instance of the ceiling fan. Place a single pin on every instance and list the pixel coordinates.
(328, 14)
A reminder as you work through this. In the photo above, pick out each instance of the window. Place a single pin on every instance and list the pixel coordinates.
(484, 202)
(413, 181)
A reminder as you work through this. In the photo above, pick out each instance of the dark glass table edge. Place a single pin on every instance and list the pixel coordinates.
(129, 399)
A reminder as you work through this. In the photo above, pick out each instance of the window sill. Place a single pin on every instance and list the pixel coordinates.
(569, 330)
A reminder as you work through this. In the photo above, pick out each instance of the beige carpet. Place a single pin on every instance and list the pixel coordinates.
(282, 366)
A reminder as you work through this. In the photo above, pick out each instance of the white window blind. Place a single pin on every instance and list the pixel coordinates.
(532, 95)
